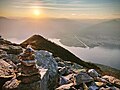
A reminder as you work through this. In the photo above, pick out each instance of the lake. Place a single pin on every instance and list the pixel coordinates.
(105, 56)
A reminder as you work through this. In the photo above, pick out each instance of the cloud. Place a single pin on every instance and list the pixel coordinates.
(78, 6)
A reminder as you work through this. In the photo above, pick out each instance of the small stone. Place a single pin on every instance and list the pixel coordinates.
(93, 87)
(61, 64)
(93, 73)
(63, 80)
(99, 84)
(63, 70)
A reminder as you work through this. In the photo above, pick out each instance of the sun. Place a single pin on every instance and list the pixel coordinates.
(37, 12)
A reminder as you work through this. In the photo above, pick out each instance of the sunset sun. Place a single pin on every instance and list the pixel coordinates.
(37, 12)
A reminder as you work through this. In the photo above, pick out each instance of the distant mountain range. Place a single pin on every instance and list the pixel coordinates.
(106, 34)
(49, 27)
(93, 33)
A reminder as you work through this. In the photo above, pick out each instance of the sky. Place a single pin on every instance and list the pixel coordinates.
(83, 9)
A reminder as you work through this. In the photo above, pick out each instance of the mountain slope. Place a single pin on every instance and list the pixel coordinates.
(38, 43)
(109, 71)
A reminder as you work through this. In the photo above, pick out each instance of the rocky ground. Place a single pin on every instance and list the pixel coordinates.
(54, 74)
(74, 77)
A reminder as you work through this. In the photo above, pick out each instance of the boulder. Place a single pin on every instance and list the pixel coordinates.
(83, 77)
(47, 61)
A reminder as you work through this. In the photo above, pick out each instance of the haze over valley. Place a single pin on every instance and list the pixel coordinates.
(81, 33)
(72, 32)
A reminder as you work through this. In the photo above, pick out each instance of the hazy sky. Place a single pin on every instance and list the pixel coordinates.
(60, 8)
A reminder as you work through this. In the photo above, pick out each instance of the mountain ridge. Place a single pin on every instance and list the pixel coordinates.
(38, 42)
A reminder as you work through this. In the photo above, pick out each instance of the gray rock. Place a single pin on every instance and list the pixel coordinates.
(93, 87)
(77, 66)
(83, 77)
(63, 70)
(93, 73)
(61, 64)
(13, 58)
(63, 81)
(68, 63)
(47, 61)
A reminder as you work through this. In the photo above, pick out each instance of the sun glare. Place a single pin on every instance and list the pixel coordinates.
(37, 12)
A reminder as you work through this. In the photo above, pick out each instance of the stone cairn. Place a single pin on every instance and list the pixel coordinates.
(28, 67)
(27, 71)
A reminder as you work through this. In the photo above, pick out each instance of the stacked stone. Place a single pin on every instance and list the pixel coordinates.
(28, 62)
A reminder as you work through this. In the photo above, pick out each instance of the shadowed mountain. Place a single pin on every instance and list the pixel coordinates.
(38, 43)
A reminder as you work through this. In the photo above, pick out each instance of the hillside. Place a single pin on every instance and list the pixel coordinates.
(38, 43)
(109, 71)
